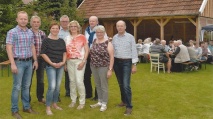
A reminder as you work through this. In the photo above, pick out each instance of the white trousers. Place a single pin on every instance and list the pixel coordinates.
(76, 80)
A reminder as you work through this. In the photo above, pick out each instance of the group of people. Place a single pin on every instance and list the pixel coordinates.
(65, 49)
(176, 52)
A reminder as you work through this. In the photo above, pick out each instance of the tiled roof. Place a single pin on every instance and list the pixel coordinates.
(139, 8)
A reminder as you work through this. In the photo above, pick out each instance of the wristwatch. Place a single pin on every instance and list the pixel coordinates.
(134, 64)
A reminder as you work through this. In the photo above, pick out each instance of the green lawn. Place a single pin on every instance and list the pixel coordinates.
(187, 95)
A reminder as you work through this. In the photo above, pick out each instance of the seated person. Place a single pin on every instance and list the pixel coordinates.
(180, 55)
(204, 51)
(198, 50)
(210, 53)
(157, 48)
(145, 50)
(139, 46)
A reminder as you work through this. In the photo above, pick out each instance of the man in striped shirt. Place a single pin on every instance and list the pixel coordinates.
(126, 57)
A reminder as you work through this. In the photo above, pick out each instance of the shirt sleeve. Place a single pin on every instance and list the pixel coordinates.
(177, 51)
(134, 51)
(44, 47)
(10, 37)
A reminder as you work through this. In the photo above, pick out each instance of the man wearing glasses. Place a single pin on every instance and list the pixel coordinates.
(64, 31)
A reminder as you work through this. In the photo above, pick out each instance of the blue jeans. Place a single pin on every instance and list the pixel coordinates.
(123, 70)
(21, 81)
(54, 76)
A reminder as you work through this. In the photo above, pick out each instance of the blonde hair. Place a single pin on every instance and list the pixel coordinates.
(75, 22)
(22, 12)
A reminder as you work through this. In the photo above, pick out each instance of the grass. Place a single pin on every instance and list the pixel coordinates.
(187, 95)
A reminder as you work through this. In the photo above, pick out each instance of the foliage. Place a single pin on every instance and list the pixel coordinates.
(48, 10)
(185, 95)
(7, 18)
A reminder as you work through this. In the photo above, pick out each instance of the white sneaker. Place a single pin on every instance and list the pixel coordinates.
(95, 105)
(72, 105)
(103, 108)
(81, 106)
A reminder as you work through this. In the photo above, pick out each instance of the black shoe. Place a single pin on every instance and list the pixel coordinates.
(16, 115)
(67, 95)
(94, 99)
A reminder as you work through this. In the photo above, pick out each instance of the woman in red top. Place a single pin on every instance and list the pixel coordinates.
(77, 52)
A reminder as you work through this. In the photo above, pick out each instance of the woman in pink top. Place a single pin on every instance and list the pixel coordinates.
(77, 52)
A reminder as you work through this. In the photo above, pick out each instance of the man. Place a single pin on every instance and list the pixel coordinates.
(90, 35)
(181, 55)
(64, 31)
(163, 43)
(181, 52)
(126, 57)
(159, 48)
(39, 36)
(20, 50)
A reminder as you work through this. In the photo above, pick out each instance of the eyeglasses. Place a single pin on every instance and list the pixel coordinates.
(64, 21)
(73, 26)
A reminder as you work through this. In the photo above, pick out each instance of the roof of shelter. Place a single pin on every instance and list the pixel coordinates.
(139, 8)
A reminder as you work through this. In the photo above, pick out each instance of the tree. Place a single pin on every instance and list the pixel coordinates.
(48, 10)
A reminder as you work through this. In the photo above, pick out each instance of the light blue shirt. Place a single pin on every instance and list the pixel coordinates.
(125, 47)
(63, 33)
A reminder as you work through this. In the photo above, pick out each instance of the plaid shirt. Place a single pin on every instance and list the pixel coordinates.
(21, 41)
(38, 38)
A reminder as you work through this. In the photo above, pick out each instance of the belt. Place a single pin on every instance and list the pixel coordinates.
(26, 59)
(123, 59)
(74, 58)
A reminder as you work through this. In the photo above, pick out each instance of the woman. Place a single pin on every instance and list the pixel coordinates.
(102, 60)
(77, 53)
(53, 51)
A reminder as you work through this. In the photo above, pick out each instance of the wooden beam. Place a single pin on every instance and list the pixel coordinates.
(162, 23)
(193, 22)
(135, 24)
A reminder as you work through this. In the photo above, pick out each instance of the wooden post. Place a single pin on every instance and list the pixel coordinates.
(196, 23)
(135, 23)
(162, 23)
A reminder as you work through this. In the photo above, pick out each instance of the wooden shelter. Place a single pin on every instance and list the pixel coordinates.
(164, 19)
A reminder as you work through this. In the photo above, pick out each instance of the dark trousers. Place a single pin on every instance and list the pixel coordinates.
(209, 59)
(67, 83)
(87, 80)
(123, 69)
(40, 79)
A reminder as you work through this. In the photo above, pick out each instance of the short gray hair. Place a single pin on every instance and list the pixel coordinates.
(64, 16)
(33, 17)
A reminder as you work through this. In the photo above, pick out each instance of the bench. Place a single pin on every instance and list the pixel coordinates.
(187, 65)
(5, 63)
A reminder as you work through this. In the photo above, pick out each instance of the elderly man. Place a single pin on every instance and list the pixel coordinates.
(21, 50)
(181, 52)
(163, 43)
(126, 57)
(90, 35)
(157, 48)
(64, 31)
(181, 55)
(39, 36)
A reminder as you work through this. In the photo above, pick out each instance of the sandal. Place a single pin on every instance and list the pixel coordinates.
(49, 112)
(57, 107)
